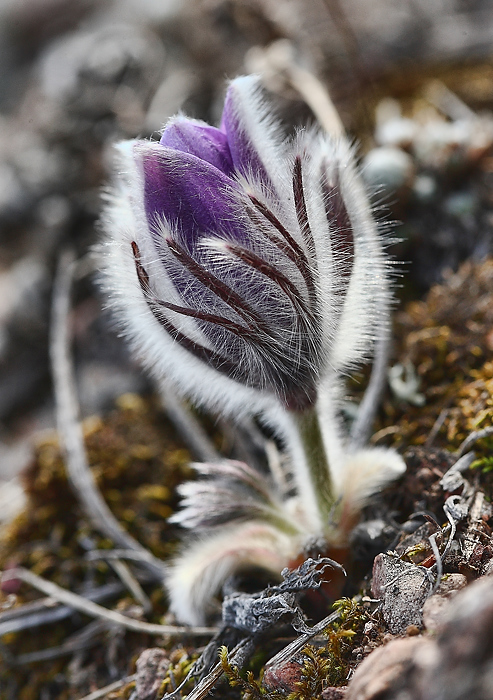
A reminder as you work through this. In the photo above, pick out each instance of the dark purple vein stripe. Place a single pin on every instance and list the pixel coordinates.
(212, 358)
(217, 287)
(341, 230)
(272, 273)
(290, 247)
(300, 204)
(225, 323)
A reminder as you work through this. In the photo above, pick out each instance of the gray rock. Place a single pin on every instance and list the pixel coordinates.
(435, 608)
(457, 664)
(393, 672)
(464, 665)
(152, 666)
(403, 588)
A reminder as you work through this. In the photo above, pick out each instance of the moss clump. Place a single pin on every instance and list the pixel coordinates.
(448, 338)
(137, 461)
(181, 662)
(315, 668)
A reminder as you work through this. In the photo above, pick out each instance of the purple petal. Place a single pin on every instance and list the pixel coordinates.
(201, 140)
(193, 196)
(245, 156)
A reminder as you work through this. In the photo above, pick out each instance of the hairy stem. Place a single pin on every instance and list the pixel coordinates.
(317, 462)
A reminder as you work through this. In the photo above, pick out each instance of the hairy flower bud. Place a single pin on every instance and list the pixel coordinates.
(232, 252)
(247, 270)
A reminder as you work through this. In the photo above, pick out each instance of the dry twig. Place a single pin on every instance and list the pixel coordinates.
(295, 646)
(363, 423)
(48, 610)
(193, 434)
(436, 427)
(204, 687)
(87, 607)
(279, 61)
(69, 428)
(128, 579)
(109, 688)
(473, 438)
(85, 638)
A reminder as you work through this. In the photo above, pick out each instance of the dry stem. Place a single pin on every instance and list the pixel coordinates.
(69, 428)
(87, 607)
(102, 692)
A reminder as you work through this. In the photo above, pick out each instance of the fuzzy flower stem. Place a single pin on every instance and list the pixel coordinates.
(316, 457)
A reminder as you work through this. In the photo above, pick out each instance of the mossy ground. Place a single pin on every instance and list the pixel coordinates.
(137, 461)
(448, 338)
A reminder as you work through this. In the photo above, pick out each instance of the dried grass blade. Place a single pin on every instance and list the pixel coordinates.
(67, 414)
(87, 607)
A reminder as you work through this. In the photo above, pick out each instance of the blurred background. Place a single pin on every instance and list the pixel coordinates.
(413, 81)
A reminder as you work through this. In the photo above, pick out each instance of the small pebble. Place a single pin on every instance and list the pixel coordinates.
(388, 169)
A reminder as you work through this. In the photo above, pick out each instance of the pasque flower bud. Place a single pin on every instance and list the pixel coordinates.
(236, 253)
(247, 270)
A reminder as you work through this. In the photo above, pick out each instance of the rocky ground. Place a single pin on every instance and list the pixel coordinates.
(414, 87)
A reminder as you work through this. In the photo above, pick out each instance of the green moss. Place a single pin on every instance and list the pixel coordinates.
(250, 687)
(137, 461)
(181, 664)
(323, 665)
(448, 338)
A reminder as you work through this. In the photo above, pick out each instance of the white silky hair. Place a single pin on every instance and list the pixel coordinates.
(346, 334)
(248, 104)
(348, 326)
(197, 576)
(366, 472)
